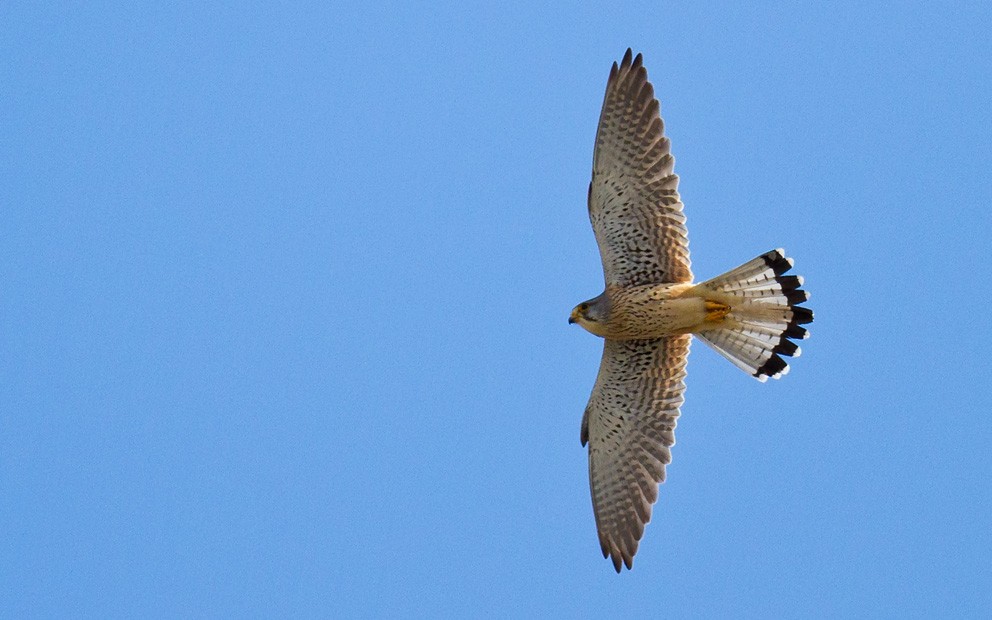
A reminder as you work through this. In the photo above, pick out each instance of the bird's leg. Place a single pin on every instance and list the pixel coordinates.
(716, 311)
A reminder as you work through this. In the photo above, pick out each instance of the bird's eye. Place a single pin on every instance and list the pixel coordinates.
(583, 307)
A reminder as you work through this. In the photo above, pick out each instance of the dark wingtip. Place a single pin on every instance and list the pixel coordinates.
(626, 58)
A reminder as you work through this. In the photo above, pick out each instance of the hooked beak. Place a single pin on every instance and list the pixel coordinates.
(573, 318)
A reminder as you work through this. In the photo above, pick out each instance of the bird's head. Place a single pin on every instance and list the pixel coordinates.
(591, 314)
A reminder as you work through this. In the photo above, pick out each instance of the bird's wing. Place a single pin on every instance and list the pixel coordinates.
(634, 202)
(629, 425)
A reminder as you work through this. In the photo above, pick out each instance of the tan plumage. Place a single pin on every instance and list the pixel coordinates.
(650, 308)
(633, 168)
(629, 425)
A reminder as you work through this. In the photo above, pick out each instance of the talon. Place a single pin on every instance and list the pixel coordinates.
(715, 311)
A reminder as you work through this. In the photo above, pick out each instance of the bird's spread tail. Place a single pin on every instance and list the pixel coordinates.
(755, 315)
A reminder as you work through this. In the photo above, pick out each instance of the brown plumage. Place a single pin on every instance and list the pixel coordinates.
(650, 308)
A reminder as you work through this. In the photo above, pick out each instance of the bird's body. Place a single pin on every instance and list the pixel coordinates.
(651, 308)
(648, 311)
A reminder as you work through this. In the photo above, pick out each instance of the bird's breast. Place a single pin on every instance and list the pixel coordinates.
(654, 311)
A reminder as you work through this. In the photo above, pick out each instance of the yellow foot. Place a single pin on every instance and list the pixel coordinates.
(715, 311)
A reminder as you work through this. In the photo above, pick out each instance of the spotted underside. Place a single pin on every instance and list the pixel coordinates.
(750, 314)
(629, 425)
(636, 214)
(634, 202)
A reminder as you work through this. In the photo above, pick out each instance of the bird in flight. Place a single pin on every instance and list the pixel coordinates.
(651, 308)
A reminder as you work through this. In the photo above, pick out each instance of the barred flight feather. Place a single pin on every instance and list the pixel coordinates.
(751, 314)
(764, 315)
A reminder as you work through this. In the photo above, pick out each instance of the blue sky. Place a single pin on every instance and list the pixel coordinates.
(285, 289)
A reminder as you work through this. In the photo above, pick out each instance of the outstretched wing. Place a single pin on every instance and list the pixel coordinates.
(634, 202)
(629, 425)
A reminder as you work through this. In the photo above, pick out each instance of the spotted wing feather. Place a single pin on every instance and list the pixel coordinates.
(629, 425)
(634, 203)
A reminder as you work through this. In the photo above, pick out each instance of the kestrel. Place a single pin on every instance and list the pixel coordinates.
(650, 309)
